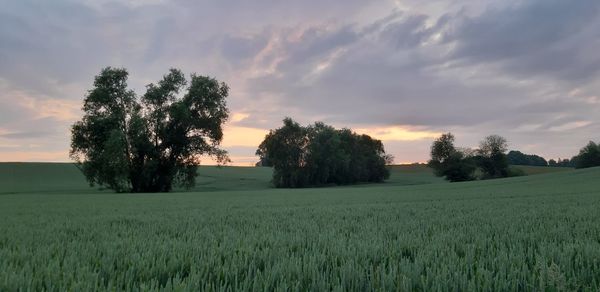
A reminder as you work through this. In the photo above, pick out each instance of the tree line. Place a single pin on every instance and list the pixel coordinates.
(152, 142)
(588, 156)
(519, 158)
(491, 161)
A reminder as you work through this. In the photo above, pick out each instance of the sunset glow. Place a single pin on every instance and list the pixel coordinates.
(397, 133)
(400, 71)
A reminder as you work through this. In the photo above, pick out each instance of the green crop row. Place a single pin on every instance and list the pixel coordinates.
(538, 233)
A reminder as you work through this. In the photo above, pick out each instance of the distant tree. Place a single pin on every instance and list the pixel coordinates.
(442, 148)
(319, 154)
(151, 143)
(519, 158)
(493, 144)
(449, 162)
(492, 158)
(562, 162)
(460, 164)
(589, 156)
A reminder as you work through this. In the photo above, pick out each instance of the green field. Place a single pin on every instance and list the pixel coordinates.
(233, 232)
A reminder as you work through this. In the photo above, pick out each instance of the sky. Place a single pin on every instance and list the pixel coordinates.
(401, 71)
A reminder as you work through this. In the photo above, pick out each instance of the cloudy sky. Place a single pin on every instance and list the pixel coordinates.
(402, 71)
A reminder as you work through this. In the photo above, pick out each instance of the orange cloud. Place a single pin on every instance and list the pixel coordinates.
(238, 117)
(397, 133)
(42, 106)
(62, 110)
(236, 160)
(243, 136)
(34, 156)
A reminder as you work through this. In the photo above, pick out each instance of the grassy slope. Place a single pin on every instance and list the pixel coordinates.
(41, 177)
(526, 233)
(66, 178)
(532, 170)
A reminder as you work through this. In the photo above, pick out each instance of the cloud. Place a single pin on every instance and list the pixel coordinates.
(401, 70)
(24, 135)
(33, 156)
(547, 37)
(235, 136)
(397, 133)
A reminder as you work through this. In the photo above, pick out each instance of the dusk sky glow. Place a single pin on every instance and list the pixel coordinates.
(401, 71)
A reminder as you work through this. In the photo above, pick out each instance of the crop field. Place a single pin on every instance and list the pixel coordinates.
(233, 232)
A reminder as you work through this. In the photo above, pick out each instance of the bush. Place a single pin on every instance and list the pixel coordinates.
(514, 171)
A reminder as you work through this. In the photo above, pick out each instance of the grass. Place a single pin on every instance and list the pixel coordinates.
(533, 170)
(48, 178)
(65, 178)
(539, 232)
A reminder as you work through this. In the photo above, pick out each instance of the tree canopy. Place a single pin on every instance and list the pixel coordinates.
(448, 161)
(492, 157)
(519, 158)
(589, 156)
(151, 143)
(319, 154)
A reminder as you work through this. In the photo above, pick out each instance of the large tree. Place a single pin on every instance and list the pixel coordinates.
(152, 143)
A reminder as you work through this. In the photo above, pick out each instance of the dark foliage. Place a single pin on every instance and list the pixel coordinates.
(519, 158)
(461, 164)
(152, 143)
(589, 156)
(321, 155)
(263, 162)
(449, 162)
(562, 162)
(492, 158)
(459, 167)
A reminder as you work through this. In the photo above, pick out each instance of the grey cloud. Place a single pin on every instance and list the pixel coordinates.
(549, 37)
(408, 33)
(26, 135)
(9, 113)
(45, 45)
(378, 85)
(319, 41)
(387, 69)
(236, 48)
(387, 83)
